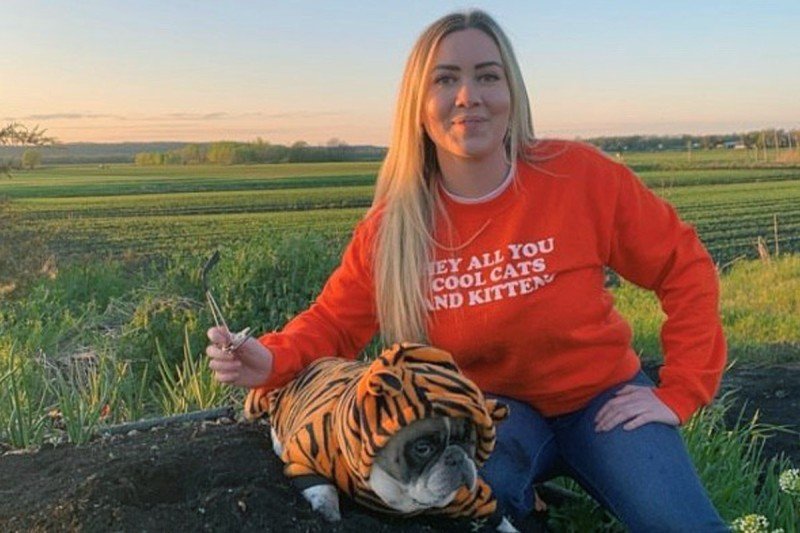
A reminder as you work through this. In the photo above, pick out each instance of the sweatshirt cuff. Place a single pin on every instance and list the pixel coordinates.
(282, 372)
(677, 402)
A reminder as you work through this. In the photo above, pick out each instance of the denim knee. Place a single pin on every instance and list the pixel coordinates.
(524, 451)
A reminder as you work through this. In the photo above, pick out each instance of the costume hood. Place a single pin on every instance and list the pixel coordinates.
(406, 383)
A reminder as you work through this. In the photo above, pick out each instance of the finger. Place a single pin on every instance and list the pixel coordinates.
(226, 377)
(611, 406)
(219, 335)
(215, 352)
(612, 422)
(224, 366)
(639, 421)
(615, 417)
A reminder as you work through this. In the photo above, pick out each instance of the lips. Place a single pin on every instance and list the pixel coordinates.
(469, 120)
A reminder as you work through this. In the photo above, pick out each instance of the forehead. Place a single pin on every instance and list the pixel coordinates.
(466, 48)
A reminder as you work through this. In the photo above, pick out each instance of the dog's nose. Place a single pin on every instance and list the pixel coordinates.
(454, 455)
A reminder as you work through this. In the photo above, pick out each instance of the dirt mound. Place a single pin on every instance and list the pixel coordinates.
(196, 477)
(223, 476)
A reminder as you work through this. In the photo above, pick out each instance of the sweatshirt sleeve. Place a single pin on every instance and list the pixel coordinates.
(339, 323)
(653, 248)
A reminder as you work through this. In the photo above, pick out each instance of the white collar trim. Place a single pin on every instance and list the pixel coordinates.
(491, 195)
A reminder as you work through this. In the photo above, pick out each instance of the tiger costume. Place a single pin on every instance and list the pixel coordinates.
(335, 416)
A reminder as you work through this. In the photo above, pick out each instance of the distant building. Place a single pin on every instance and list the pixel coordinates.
(734, 145)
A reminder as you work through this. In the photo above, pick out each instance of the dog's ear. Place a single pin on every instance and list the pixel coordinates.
(497, 410)
(422, 353)
(384, 381)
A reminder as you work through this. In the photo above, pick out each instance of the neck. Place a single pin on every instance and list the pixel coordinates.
(472, 178)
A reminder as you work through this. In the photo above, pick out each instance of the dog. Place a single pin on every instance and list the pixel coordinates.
(404, 434)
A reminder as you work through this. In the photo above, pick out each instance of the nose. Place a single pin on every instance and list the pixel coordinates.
(454, 455)
(468, 94)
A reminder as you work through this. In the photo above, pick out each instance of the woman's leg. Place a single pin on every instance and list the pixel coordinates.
(644, 476)
(525, 451)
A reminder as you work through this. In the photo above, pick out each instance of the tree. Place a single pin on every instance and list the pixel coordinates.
(31, 159)
(221, 153)
(335, 142)
(16, 134)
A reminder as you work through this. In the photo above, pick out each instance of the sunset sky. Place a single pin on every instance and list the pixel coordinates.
(285, 71)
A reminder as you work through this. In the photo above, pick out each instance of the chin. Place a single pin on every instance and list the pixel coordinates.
(475, 149)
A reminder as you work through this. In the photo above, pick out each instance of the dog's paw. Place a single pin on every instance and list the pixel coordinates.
(480, 525)
(325, 500)
(506, 526)
(276, 444)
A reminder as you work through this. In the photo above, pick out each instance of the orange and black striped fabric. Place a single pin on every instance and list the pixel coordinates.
(335, 416)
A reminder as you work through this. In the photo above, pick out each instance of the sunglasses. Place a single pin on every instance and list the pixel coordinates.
(236, 339)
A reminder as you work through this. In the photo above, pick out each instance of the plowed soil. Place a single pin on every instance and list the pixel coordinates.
(223, 476)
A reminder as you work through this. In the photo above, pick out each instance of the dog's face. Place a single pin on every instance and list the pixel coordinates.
(424, 464)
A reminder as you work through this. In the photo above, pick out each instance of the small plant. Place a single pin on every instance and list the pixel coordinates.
(789, 481)
(189, 386)
(85, 392)
(22, 413)
(753, 523)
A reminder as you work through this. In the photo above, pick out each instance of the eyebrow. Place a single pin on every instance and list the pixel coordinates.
(477, 66)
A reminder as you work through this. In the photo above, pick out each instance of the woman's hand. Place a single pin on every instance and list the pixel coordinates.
(249, 366)
(634, 405)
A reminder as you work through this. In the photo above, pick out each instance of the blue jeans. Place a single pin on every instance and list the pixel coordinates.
(645, 476)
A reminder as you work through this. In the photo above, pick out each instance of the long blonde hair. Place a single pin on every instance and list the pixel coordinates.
(406, 190)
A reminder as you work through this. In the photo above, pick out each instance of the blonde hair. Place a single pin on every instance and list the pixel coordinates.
(406, 189)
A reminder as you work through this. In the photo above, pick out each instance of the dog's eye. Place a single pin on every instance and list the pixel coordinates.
(423, 448)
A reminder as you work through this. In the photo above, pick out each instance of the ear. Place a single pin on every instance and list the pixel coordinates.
(497, 410)
(391, 356)
(427, 354)
(384, 382)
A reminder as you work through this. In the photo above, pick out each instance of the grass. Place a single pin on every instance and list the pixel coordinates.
(79, 354)
(760, 308)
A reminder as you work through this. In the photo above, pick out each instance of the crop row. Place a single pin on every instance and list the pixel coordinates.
(195, 203)
(727, 234)
(115, 236)
(58, 183)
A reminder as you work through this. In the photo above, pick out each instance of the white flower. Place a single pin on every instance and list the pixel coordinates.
(789, 481)
(753, 523)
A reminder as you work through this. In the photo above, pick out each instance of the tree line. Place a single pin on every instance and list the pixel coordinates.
(30, 147)
(260, 151)
(759, 140)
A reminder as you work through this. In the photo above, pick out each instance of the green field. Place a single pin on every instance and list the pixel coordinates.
(126, 210)
(108, 315)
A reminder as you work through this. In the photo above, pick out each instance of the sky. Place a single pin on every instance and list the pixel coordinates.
(110, 71)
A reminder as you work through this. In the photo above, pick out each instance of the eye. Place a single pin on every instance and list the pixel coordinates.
(445, 79)
(488, 78)
(424, 448)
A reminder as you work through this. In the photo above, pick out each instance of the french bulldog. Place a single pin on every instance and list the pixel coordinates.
(422, 467)
(405, 433)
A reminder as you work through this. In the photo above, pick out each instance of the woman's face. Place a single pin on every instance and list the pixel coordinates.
(467, 98)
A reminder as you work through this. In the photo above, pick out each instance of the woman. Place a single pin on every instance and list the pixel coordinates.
(490, 244)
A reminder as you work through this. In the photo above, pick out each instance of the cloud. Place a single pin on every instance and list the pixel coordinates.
(192, 116)
(178, 117)
(221, 115)
(62, 116)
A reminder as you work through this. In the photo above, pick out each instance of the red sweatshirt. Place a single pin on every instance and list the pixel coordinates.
(518, 291)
